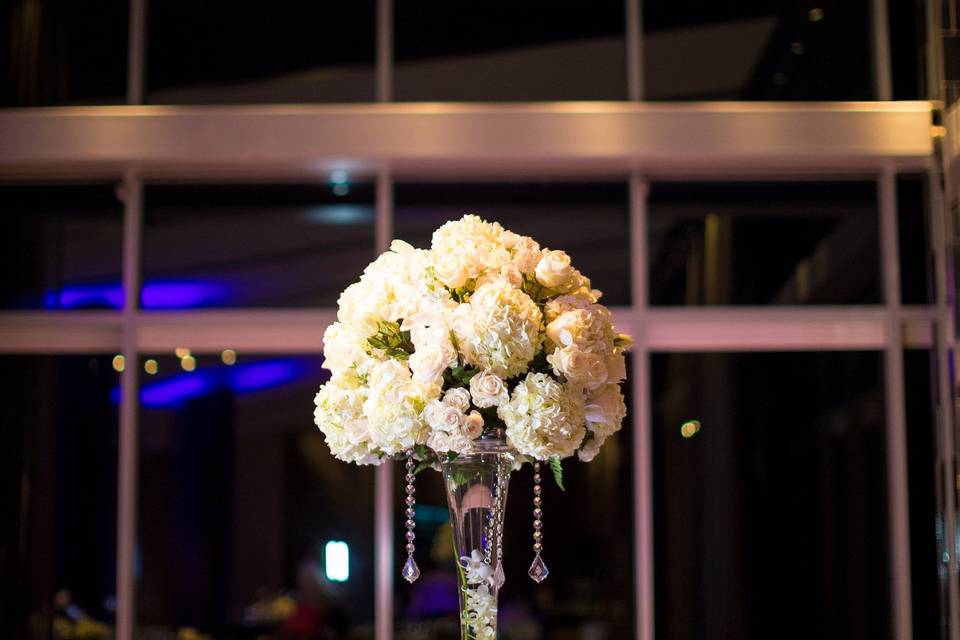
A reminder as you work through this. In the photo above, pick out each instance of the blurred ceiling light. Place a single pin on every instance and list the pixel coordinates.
(797, 48)
(189, 363)
(341, 214)
(151, 367)
(118, 362)
(182, 352)
(340, 176)
(815, 14)
(229, 356)
(341, 189)
(337, 561)
(690, 428)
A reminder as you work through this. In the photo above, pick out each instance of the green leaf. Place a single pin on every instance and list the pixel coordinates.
(557, 470)
(459, 479)
(423, 465)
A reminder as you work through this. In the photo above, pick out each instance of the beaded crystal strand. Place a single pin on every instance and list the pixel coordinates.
(538, 570)
(410, 570)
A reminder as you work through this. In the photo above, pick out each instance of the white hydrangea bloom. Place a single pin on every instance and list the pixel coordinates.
(499, 329)
(604, 411)
(544, 418)
(467, 248)
(393, 407)
(339, 415)
(343, 348)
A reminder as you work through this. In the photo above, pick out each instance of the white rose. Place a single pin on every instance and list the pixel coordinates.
(451, 271)
(458, 398)
(440, 416)
(428, 365)
(579, 367)
(554, 269)
(565, 329)
(488, 390)
(473, 425)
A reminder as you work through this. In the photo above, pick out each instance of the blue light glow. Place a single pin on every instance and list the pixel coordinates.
(337, 561)
(264, 375)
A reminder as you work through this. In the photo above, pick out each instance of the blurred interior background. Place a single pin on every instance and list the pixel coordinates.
(786, 469)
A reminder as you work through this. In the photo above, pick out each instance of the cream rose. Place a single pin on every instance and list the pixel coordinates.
(526, 255)
(459, 398)
(472, 425)
(554, 269)
(488, 390)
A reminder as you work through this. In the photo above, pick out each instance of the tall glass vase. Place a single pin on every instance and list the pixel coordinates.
(476, 486)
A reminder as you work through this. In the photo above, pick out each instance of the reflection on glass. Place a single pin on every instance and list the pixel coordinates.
(240, 502)
(793, 243)
(218, 51)
(254, 245)
(63, 53)
(587, 545)
(771, 520)
(758, 50)
(60, 247)
(510, 51)
(58, 470)
(588, 220)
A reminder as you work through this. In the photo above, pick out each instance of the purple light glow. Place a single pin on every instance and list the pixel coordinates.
(175, 391)
(161, 294)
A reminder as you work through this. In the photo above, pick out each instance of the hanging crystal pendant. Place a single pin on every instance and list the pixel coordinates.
(538, 571)
(410, 571)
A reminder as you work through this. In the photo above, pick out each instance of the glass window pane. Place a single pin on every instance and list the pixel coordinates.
(58, 508)
(254, 245)
(60, 247)
(757, 50)
(63, 53)
(771, 519)
(510, 51)
(238, 498)
(587, 546)
(793, 243)
(590, 221)
(222, 51)
(916, 258)
(925, 527)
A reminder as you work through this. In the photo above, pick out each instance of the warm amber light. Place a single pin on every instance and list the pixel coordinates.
(118, 362)
(229, 356)
(188, 363)
(690, 428)
(151, 367)
(815, 14)
(182, 352)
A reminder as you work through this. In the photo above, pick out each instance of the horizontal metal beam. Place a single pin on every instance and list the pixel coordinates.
(301, 331)
(428, 138)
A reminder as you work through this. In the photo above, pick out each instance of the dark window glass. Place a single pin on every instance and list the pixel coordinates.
(916, 259)
(58, 481)
(239, 497)
(60, 247)
(770, 521)
(590, 221)
(757, 50)
(922, 469)
(219, 51)
(763, 243)
(63, 53)
(254, 245)
(907, 49)
(587, 546)
(509, 51)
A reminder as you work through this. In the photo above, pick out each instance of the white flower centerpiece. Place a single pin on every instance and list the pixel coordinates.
(473, 357)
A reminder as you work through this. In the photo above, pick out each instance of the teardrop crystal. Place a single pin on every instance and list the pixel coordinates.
(538, 570)
(498, 576)
(410, 570)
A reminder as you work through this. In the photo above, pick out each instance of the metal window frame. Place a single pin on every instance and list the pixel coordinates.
(634, 141)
